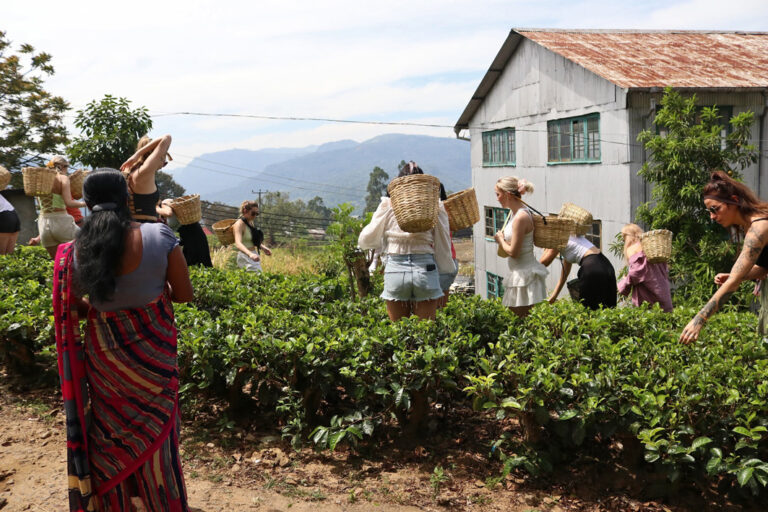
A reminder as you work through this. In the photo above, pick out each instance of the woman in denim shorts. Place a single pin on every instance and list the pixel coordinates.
(414, 260)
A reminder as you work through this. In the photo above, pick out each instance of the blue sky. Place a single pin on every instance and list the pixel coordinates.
(400, 61)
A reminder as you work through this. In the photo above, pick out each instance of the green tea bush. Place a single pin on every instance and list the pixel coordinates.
(334, 370)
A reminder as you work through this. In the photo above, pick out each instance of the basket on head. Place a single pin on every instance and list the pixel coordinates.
(657, 245)
(462, 209)
(224, 232)
(415, 200)
(581, 217)
(76, 180)
(38, 181)
(187, 209)
(5, 177)
(552, 232)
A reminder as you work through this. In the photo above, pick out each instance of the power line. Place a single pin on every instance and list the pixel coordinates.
(296, 118)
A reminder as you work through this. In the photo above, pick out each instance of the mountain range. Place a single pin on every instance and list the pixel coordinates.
(336, 171)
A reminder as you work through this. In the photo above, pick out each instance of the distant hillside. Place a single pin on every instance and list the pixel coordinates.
(338, 171)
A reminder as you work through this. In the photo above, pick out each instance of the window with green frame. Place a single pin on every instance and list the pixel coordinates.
(574, 140)
(499, 147)
(494, 220)
(494, 286)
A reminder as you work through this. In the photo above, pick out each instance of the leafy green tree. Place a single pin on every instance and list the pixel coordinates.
(283, 220)
(167, 186)
(110, 130)
(377, 187)
(31, 119)
(688, 147)
(316, 205)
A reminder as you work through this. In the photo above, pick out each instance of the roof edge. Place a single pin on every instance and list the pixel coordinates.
(637, 31)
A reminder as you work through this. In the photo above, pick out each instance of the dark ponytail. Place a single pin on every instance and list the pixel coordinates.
(101, 241)
(723, 188)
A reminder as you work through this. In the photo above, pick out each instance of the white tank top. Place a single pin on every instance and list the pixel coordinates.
(576, 248)
(5, 205)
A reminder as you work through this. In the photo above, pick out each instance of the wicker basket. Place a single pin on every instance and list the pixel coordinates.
(552, 232)
(38, 181)
(462, 209)
(187, 209)
(657, 245)
(224, 232)
(581, 217)
(415, 200)
(76, 180)
(5, 177)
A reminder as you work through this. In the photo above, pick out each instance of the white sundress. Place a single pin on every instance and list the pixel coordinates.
(525, 284)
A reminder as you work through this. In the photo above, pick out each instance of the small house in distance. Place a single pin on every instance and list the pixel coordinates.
(563, 109)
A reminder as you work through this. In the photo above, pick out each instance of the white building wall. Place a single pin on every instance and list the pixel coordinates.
(537, 86)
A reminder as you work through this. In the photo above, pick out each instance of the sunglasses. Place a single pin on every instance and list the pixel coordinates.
(714, 209)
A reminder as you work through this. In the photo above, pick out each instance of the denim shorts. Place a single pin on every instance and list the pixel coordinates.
(446, 280)
(411, 277)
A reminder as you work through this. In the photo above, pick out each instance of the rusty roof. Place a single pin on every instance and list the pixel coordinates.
(634, 59)
(641, 59)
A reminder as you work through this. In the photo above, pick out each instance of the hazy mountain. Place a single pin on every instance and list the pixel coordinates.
(337, 171)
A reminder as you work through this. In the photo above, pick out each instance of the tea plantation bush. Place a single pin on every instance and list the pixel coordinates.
(296, 348)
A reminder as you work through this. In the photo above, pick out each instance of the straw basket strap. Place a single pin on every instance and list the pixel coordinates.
(581, 217)
(462, 209)
(415, 200)
(38, 181)
(550, 231)
(224, 232)
(657, 245)
(187, 209)
(5, 177)
(76, 180)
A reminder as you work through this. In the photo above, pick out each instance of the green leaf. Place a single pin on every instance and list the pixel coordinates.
(713, 465)
(335, 438)
(744, 476)
(699, 442)
(652, 456)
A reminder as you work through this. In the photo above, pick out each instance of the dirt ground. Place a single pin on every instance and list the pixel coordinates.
(254, 469)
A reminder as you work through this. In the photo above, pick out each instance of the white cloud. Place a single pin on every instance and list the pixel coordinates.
(335, 59)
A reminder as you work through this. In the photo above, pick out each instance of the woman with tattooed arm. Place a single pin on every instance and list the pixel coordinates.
(731, 203)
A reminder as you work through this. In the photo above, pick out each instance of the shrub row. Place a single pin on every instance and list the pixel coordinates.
(295, 347)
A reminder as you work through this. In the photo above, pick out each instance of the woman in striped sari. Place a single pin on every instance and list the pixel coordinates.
(120, 385)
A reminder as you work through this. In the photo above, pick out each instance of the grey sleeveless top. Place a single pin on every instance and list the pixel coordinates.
(146, 283)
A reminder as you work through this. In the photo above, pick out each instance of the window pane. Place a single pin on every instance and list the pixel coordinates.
(553, 142)
(578, 140)
(565, 141)
(489, 223)
(502, 147)
(511, 145)
(486, 149)
(494, 149)
(593, 137)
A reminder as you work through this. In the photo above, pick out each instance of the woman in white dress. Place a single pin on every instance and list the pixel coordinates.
(524, 287)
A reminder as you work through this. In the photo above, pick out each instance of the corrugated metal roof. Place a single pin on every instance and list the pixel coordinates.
(632, 59)
(644, 59)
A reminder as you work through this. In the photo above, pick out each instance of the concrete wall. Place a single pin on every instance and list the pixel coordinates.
(537, 86)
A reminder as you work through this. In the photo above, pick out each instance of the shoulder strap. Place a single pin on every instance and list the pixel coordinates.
(761, 218)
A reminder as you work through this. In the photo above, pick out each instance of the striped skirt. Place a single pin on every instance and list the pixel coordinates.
(133, 432)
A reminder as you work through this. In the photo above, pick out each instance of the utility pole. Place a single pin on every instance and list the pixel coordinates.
(259, 202)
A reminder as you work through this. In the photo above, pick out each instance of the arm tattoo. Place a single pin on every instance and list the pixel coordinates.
(710, 308)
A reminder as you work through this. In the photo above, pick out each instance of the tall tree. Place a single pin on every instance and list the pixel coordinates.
(167, 186)
(377, 187)
(110, 130)
(688, 146)
(31, 119)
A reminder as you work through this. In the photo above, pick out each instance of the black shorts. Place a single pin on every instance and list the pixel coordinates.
(9, 222)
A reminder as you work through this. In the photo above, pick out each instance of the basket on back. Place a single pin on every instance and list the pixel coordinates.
(5, 177)
(415, 200)
(38, 181)
(462, 209)
(76, 180)
(552, 232)
(224, 232)
(187, 209)
(581, 217)
(657, 245)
